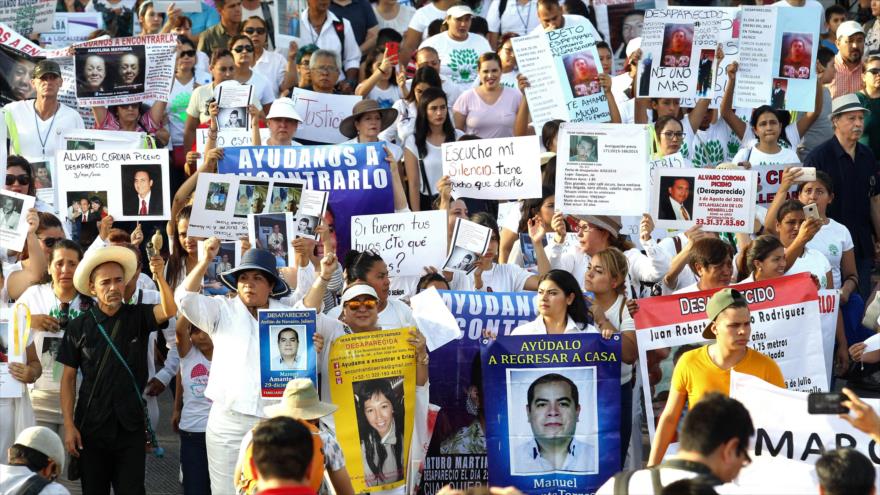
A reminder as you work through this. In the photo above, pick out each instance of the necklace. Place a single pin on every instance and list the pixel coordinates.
(43, 140)
(525, 23)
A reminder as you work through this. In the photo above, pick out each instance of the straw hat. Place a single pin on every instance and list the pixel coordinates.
(109, 254)
(300, 401)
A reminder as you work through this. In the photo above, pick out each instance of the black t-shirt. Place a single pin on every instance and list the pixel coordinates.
(115, 398)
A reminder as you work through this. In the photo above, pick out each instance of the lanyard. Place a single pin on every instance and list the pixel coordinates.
(525, 23)
(45, 140)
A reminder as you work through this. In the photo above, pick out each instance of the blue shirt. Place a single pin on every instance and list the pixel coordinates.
(360, 14)
(855, 183)
(204, 19)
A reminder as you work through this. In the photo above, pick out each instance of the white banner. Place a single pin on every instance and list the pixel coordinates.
(408, 242)
(322, 113)
(602, 169)
(501, 168)
(726, 21)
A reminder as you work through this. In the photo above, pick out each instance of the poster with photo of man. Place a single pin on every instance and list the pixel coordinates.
(287, 349)
(13, 213)
(554, 420)
(272, 232)
(142, 190)
(716, 200)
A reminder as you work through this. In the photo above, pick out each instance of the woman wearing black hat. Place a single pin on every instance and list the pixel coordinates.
(234, 384)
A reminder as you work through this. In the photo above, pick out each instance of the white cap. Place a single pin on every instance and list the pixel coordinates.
(459, 11)
(633, 45)
(849, 28)
(352, 291)
(283, 108)
(45, 441)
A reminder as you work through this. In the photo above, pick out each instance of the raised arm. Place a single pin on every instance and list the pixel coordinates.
(166, 308)
(727, 112)
(34, 267)
(605, 82)
(315, 297)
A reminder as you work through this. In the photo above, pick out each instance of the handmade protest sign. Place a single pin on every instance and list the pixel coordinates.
(829, 306)
(187, 6)
(124, 70)
(577, 377)
(470, 241)
(768, 181)
(786, 446)
(603, 169)
(501, 168)
(716, 200)
(408, 242)
(678, 55)
(28, 17)
(273, 232)
(455, 454)
(360, 171)
(101, 140)
(621, 21)
(133, 185)
(792, 38)
(227, 138)
(71, 27)
(286, 349)
(563, 68)
(14, 208)
(786, 328)
(369, 368)
(725, 21)
(674, 160)
(321, 113)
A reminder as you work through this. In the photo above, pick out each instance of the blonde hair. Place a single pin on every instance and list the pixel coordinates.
(616, 264)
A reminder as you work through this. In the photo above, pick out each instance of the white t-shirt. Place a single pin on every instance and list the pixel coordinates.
(248, 13)
(519, 19)
(757, 157)
(462, 55)
(424, 16)
(178, 100)
(433, 161)
(618, 315)
(400, 22)
(791, 132)
(385, 97)
(272, 67)
(814, 262)
(195, 370)
(832, 240)
(198, 102)
(504, 278)
(508, 79)
(31, 129)
(570, 21)
(713, 146)
(262, 88)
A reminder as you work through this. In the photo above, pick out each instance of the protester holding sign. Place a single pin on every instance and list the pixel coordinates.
(795, 232)
(491, 276)
(134, 117)
(561, 307)
(242, 49)
(669, 134)
(707, 368)
(489, 109)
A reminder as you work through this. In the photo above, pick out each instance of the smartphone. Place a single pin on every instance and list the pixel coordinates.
(812, 211)
(392, 48)
(826, 403)
(808, 174)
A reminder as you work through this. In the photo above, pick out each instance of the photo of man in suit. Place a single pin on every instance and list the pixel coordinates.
(673, 205)
(138, 196)
(777, 98)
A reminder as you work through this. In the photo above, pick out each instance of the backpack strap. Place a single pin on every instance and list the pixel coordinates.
(502, 6)
(267, 16)
(33, 486)
(339, 27)
(677, 241)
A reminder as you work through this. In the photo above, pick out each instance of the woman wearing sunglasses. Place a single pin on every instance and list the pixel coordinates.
(187, 78)
(53, 304)
(134, 117)
(242, 49)
(280, 73)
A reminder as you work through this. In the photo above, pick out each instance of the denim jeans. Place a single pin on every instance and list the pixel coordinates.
(194, 462)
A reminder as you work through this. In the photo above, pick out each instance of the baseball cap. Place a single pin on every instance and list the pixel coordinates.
(720, 301)
(284, 108)
(44, 67)
(459, 11)
(849, 28)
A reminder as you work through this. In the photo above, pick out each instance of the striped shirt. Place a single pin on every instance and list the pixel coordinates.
(847, 80)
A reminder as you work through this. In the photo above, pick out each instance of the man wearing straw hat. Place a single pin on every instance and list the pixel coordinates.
(108, 344)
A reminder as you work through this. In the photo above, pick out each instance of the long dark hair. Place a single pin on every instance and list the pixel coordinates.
(427, 75)
(532, 207)
(577, 310)
(784, 119)
(357, 264)
(422, 125)
(372, 443)
(177, 257)
(757, 250)
(21, 162)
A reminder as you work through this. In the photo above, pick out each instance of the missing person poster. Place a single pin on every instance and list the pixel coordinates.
(408, 242)
(321, 115)
(553, 424)
(603, 169)
(120, 71)
(716, 200)
(287, 24)
(233, 100)
(310, 213)
(131, 185)
(786, 327)
(777, 59)
(357, 174)
(457, 452)
(274, 233)
(563, 69)
(28, 17)
(678, 55)
(14, 208)
(726, 22)
(786, 446)
(501, 168)
(228, 257)
(620, 22)
(222, 205)
(470, 241)
(373, 381)
(286, 349)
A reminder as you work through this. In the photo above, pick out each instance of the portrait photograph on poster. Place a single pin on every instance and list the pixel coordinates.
(677, 42)
(141, 189)
(380, 410)
(777, 96)
(676, 199)
(110, 71)
(284, 197)
(583, 148)
(289, 352)
(251, 198)
(218, 193)
(795, 55)
(270, 232)
(582, 73)
(545, 416)
(705, 75)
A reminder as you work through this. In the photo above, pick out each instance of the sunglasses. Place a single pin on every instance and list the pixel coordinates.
(50, 241)
(243, 48)
(22, 179)
(128, 106)
(356, 305)
(64, 318)
(188, 53)
(255, 31)
(873, 72)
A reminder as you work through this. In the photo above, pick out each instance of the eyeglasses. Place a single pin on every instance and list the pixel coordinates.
(584, 228)
(243, 48)
(672, 135)
(188, 53)
(326, 69)
(357, 305)
(50, 241)
(64, 317)
(254, 30)
(23, 179)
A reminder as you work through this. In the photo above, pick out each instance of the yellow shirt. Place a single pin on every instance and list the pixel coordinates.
(696, 374)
